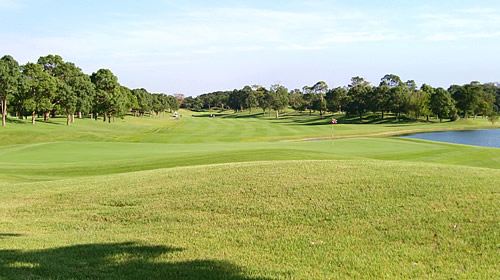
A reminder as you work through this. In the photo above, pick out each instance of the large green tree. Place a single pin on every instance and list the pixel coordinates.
(319, 90)
(41, 89)
(358, 94)
(107, 87)
(144, 100)
(442, 104)
(279, 98)
(467, 97)
(336, 99)
(10, 76)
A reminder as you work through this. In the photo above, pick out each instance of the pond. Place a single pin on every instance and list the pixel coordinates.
(481, 137)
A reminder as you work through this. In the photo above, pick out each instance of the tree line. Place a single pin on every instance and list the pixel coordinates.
(391, 95)
(53, 87)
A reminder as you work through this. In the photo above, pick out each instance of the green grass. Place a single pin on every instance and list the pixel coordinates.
(288, 219)
(232, 197)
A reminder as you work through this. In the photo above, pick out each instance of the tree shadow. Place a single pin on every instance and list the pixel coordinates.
(5, 235)
(15, 121)
(243, 116)
(127, 260)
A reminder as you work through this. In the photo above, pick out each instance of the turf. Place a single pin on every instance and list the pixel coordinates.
(287, 219)
(237, 197)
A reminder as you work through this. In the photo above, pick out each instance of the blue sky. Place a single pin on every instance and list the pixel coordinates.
(193, 47)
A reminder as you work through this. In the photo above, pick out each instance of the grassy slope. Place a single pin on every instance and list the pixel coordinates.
(371, 207)
(292, 219)
(49, 151)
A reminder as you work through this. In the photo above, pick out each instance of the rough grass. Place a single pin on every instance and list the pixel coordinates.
(264, 220)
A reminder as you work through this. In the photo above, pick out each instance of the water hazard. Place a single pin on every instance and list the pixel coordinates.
(482, 137)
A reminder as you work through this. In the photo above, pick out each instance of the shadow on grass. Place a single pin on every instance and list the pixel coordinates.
(243, 116)
(127, 260)
(16, 121)
(5, 235)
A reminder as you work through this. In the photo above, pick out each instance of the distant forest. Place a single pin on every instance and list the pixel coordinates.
(358, 98)
(53, 87)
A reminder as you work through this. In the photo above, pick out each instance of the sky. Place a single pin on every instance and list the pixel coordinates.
(195, 47)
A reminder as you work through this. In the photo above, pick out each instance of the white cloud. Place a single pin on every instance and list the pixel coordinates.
(474, 23)
(216, 30)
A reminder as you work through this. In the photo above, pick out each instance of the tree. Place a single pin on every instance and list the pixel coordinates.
(84, 90)
(144, 101)
(319, 103)
(41, 88)
(296, 100)
(279, 98)
(336, 98)
(51, 64)
(309, 98)
(57, 68)
(10, 77)
(379, 99)
(80, 87)
(485, 104)
(466, 97)
(358, 93)
(441, 104)
(392, 80)
(417, 99)
(252, 97)
(265, 100)
(67, 100)
(107, 87)
(173, 103)
(236, 100)
(180, 98)
(398, 101)
(493, 117)
(427, 91)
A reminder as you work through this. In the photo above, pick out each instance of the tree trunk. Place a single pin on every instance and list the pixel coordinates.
(68, 119)
(72, 118)
(53, 114)
(33, 117)
(105, 116)
(360, 117)
(46, 116)
(427, 118)
(382, 114)
(79, 115)
(109, 118)
(4, 110)
(277, 114)
(113, 118)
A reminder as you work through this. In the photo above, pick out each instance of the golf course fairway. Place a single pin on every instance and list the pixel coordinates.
(243, 196)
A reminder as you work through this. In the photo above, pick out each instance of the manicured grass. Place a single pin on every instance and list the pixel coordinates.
(286, 219)
(232, 197)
